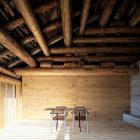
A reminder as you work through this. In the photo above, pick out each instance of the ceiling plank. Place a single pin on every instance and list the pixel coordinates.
(8, 72)
(112, 30)
(76, 71)
(10, 80)
(106, 40)
(84, 16)
(29, 17)
(7, 41)
(135, 18)
(65, 7)
(107, 12)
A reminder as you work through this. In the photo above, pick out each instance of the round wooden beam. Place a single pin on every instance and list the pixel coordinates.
(8, 72)
(10, 80)
(76, 71)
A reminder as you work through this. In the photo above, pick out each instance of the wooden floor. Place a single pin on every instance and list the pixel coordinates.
(41, 130)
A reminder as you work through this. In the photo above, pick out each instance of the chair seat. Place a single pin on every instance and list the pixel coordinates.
(58, 118)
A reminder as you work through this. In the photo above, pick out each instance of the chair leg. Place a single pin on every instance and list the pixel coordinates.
(56, 124)
(87, 126)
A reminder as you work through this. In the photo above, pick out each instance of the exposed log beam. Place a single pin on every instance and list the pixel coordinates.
(84, 16)
(65, 6)
(14, 63)
(76, 71)
(113, 30)
(38, 10)
(36, 50)
(46, 64)
(10, 80)
(135, 18)
(117, 58)
(121, 10)
(107, 65)
(96, 49)
(8, 72)
(45, 6)
(107, 12)
(29, 17)
(3, 53)
(7, 41)
(14, 24)
(107, 40)
(55, 25)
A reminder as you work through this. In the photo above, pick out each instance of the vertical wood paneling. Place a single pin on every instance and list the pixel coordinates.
(135, 95)
(9, 103)
(108, 96)
(19, 102)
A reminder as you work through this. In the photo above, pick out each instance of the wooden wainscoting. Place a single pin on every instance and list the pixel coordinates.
(108, 96)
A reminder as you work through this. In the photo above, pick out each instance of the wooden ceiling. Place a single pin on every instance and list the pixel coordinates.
(66, 33)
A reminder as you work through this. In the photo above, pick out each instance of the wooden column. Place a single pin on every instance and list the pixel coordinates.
(65, 6)
(7, 41)
(76, 71)
(84, 16)
(107, 12)
(135, 18)
(29, 17)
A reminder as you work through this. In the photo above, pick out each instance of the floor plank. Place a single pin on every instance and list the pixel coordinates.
(41, 130)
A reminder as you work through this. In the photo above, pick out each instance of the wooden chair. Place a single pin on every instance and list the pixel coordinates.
(60, 113)
(80, 114)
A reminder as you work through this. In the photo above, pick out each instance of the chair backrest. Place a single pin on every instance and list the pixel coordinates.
(59, 110)
(80, 109)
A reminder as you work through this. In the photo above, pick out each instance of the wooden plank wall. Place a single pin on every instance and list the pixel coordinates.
(135, 94)
(108, 96)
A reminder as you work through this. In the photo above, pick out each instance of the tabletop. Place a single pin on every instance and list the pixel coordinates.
(53, 108)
